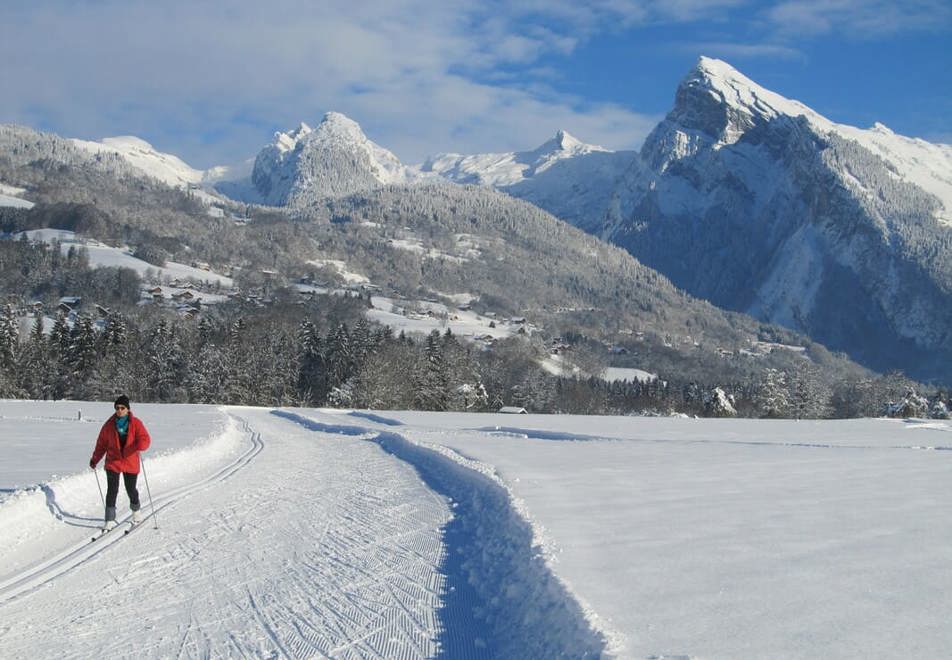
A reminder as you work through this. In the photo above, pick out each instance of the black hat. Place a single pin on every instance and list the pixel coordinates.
(123, 400)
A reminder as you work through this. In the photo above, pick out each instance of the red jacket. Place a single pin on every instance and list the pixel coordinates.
(119, 459)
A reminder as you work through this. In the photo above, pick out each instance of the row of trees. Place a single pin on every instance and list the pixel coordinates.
(335, 357)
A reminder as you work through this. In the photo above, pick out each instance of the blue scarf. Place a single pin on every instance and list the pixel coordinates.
(122, 426)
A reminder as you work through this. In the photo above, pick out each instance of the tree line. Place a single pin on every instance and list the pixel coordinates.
(330, 355)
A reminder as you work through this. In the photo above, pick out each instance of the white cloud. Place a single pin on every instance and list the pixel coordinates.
(867, 19)
(725, 49)
(210, 82)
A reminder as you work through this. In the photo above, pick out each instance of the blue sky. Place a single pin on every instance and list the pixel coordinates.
(212, 81)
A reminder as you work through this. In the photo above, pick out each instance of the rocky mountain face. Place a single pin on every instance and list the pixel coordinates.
(441, 241)
(740, 196)
(759, 204)
(334, 159)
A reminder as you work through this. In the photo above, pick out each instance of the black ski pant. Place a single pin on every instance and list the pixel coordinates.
(112, 489)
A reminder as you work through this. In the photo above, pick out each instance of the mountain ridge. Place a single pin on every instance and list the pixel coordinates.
(741, 196)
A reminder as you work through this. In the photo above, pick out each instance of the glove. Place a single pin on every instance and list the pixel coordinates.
(92, 464)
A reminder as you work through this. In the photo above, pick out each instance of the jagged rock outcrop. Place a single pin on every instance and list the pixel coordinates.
(761, 205)
(334, 159)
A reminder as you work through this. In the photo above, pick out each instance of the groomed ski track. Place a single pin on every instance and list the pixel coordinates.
(322, 539)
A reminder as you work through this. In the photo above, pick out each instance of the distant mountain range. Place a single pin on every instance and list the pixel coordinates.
(740, 196)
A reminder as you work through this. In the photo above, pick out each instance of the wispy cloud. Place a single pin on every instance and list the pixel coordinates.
(210, 81)
(726, 49)
(867, 19)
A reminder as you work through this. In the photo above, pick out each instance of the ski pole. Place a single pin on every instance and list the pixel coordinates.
(155, 520)
(96, 472)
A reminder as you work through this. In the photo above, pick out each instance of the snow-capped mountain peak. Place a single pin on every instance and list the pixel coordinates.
(563, 141)
(337, 123)
(167, 168)
(732, 88)
(335, 158)
(756, 202)
(508, 168)
(289, 141)
(716, 105)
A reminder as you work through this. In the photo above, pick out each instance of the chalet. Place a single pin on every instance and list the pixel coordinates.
(102, 311)
(513, 410)
(68, 303)
(157, 294)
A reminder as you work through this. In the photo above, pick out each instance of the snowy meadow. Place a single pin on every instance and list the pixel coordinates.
(340, 533)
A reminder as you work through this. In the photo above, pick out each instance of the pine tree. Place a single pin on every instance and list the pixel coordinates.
(81, 357)
(165, 362)
(464, 383)
(311, 370)
(339, 356)
(206, 380)
(431, 381)
(113, 372)
(9, 337)
(773, 395)
(278, 369)
(9, 351)
(33, 366)
(59, 368)
(239, 377)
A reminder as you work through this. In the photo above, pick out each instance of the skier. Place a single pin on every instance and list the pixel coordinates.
(121, 439)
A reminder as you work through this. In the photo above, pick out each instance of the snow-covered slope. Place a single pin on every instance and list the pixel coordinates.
(101, 254)
(143, 156)
(506, 169)
(336, 158)
(167, 168)
(570, 179)
(12, 196)
(344, 533)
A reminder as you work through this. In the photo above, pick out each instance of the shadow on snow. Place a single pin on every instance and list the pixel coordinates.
(500, 598)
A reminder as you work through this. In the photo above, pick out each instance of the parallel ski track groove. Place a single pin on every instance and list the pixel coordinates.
(84, 551)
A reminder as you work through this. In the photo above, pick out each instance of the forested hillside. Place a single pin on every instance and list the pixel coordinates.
(595, 302)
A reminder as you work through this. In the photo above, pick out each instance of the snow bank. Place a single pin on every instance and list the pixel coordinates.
(501, 594)
(523, 605)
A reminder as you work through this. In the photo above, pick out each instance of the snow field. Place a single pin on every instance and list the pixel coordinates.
(501, 599)
(319, 546)
(734, 538)
(335, 533)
